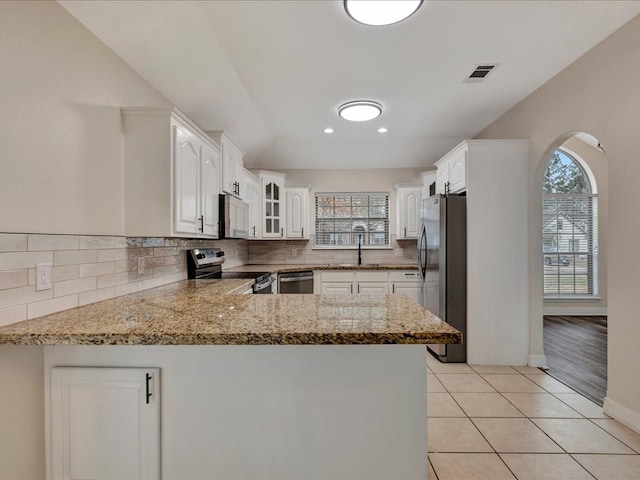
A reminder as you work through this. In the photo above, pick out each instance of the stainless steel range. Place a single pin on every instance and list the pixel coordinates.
(203, 263)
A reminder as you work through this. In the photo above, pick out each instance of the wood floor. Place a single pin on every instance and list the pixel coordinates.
(576, 350)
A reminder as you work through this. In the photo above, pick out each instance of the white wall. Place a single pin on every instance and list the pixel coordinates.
(62, 166)
(598, 94)
(61, 171)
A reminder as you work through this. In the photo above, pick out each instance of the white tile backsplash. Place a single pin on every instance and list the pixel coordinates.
(13, 314)
(69, 287)
(14, 279)
(38, 309)
(95, 269)
(13, 242)
(52, 242)
(88, 269)
(18, 260)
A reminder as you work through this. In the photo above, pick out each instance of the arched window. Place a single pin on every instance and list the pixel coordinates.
(569, 229)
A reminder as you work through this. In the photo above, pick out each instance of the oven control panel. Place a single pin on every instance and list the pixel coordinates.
(207, 256)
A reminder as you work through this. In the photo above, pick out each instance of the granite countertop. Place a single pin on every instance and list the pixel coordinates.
(282, 268)
(202, 312)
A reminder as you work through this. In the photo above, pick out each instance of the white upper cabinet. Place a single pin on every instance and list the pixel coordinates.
(232, 163)
(297, 211)
(272, 205)
(210, 189)
(452, 170)
(428, 178)
(250, 188)
(407, 211)
(172, 176)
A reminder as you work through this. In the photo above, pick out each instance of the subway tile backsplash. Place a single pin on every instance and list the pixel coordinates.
(403, 252)
(88, 269)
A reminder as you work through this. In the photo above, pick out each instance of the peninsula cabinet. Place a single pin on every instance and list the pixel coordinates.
(407, 211)
(104, 423)
(232, 160)
(172, 176)
(297, 211)
(239, 411)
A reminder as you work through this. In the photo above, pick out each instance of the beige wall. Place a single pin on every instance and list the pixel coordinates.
(62, 163)
(597, 94)
(597, 162)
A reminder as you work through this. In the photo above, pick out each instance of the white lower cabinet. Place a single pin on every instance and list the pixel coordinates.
(104, 423)
(372, 288)
(370, 282)
(337, 288)
(407, 282)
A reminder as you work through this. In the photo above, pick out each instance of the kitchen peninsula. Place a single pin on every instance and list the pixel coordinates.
(261, 386)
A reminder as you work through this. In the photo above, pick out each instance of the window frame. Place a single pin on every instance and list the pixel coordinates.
(355, 221)
(578, 210)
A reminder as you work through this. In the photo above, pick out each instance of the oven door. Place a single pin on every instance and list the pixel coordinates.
(264, 288)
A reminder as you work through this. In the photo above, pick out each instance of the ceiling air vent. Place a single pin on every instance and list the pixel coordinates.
(480, 72)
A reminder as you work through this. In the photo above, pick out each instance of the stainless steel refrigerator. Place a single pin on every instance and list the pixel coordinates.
(442, 263)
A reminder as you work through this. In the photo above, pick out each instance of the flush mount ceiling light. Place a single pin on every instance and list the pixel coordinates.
(360, 110)
(383, 130)
(328, 130)
(380, 12)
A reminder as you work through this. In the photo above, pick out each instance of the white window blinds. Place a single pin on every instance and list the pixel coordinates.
(570, 245)
(343, 218)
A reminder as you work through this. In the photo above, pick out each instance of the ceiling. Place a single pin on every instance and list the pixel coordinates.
(272, 73)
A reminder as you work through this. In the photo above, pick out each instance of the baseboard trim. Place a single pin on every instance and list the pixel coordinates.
(621, 413)
(582, 311)
(538, 361)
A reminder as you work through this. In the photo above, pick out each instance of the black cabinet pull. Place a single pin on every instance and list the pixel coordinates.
(148, 389)
(201, 223)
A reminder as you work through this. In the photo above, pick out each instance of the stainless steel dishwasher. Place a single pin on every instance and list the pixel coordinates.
(295, 282)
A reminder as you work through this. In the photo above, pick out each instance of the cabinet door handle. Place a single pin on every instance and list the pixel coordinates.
(254, 230)
(282, 232)
(201, 223)
(148, 389)
(358, 288)
(405, 232)
(302, 236)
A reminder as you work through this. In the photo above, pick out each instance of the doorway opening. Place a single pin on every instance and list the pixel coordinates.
(575, 322)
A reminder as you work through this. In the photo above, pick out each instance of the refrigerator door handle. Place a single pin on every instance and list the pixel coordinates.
(422, 252)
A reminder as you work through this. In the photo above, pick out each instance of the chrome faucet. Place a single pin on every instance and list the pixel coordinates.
(359, 249)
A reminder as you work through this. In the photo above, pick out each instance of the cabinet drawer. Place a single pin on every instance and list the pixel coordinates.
(330, 276)
(372, 276)
(404, 276)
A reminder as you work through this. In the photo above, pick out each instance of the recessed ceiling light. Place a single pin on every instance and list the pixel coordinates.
(380, 12)
(328, 130)
(383, 130)
(360, 110)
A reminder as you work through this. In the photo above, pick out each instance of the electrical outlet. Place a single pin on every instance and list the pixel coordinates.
(43, 276)
(294, 252)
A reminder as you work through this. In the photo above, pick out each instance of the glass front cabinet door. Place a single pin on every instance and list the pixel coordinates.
(273, 203)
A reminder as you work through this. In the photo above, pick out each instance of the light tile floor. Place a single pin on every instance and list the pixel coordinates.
(494, 422)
